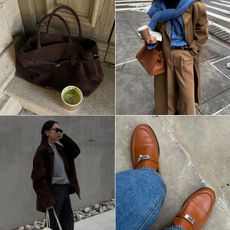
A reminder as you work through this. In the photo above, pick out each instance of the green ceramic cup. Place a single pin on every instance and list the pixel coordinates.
(71, 97)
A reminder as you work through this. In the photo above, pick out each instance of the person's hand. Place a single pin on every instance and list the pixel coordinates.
(60, 136)
(152, 39)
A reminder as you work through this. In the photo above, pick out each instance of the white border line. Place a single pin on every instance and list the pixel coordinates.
(220, 71)
(216, 113)
(218, 16)
(218, 9)
(220, 59)
(224, 1)
(220, 4)
(211, 38)
(123, 63)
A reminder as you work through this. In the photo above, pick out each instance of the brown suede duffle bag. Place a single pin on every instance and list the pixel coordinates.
(56, 61)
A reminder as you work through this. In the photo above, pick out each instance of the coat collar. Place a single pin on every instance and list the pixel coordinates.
(47, 146)
(186, 15)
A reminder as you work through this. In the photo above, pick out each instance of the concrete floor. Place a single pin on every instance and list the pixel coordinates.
(194, 153)
(41, 101)
(104, 221)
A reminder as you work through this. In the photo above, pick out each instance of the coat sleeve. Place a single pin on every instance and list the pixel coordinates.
(71, 147)
(200, 27)
(40, 184)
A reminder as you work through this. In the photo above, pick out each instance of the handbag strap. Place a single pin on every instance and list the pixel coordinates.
(40, 24)
(48, 219)
(69, 9)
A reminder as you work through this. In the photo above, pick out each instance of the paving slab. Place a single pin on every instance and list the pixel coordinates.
(9, 106)
(206, 140)
(128, 41)
(43, 101)
(104, 221)
(212, 83)
(224, 111)
(216, 46)
(181, 168)
(221, 65)
(217, 103)
(133, 98)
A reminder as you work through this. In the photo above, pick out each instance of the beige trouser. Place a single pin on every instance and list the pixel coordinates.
(175, 92)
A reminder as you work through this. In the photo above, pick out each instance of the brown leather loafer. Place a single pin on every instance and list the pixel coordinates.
(145, 148)
(196, 210)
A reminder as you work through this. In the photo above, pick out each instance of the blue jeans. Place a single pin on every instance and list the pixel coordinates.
(140, 194)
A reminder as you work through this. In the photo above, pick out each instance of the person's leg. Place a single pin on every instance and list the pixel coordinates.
(59, 197)
(139, 196)
(140, 192)
(185, 78)
(62, 208)
(160, 95)
(66, 215)
(172, 87)
(195, 211)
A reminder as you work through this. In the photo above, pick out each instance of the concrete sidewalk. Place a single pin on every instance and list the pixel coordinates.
(134, 88)
(104, 221)
(194, 154)
(42, 101)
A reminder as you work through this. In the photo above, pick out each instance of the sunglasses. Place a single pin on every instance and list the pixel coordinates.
(57, 130)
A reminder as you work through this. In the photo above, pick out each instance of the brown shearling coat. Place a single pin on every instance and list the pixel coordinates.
(196, 34)
(42, 172)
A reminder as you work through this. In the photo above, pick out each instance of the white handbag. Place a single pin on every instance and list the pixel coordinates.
(47, 221)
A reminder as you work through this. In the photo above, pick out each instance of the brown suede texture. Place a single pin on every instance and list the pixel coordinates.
(56, 61)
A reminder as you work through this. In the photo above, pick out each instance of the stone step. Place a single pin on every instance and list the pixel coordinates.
(104, 221)
(43, 101)
(187, 163)
(9, 106)
(25, 112)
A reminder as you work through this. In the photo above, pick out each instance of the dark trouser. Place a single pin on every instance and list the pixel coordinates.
(62, 208)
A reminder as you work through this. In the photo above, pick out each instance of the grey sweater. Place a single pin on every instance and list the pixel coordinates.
(59, 173)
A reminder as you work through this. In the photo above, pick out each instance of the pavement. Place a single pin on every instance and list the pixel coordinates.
(194, 152)
(42, 101)
(19, 97)
(104, 221)
(134, 88)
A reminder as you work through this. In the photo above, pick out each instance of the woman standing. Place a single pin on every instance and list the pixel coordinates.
(184, 28)
(54, 175)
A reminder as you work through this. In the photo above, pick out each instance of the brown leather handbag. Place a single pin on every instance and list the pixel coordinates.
(56, 61)
(152, 60)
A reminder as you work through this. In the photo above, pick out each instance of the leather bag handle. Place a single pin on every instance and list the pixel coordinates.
(69, 9)
(40, 24)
